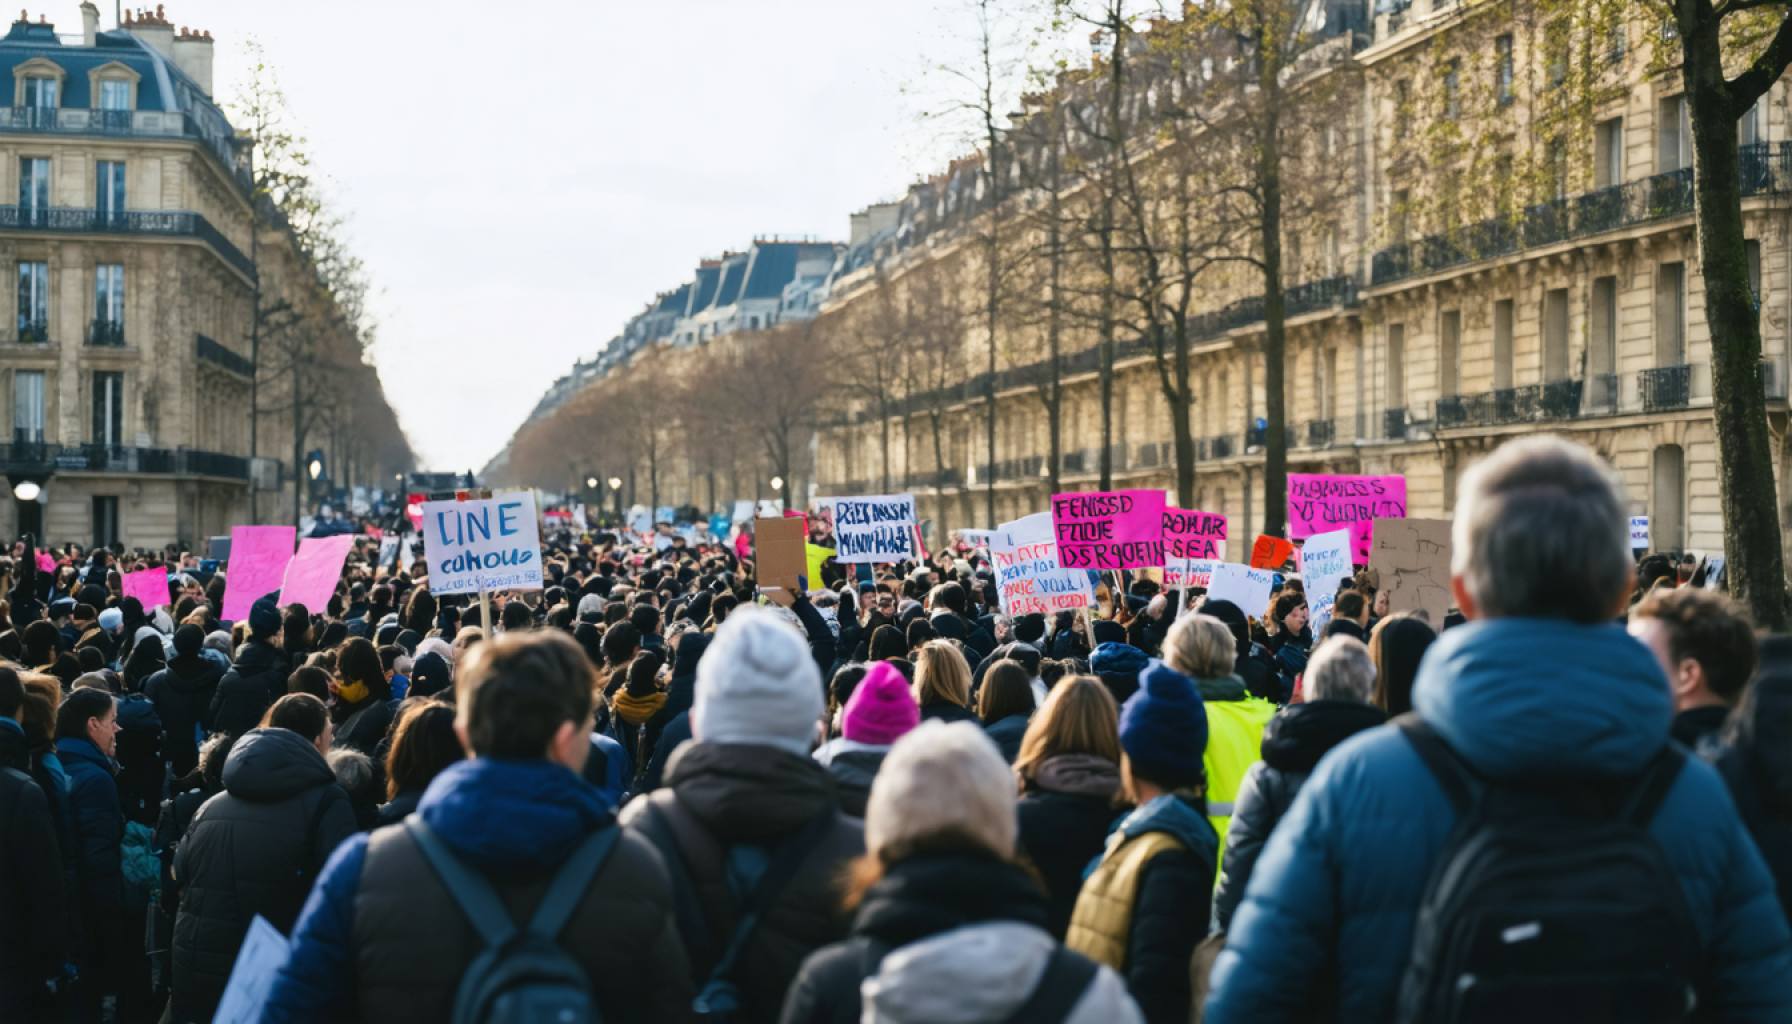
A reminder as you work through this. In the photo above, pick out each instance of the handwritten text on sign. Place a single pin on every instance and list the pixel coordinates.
(1318, 503)
(1189, 533)
(1027, 574)
(1109, 529)
(492, 543)
(1324, 564)
(874, 529)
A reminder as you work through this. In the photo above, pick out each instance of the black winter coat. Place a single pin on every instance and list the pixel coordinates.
(1065, 815)
(1293, 743)
(33, 904)
(948, 712)
(141, 775)
(95, 826)
(719, 796)
(365, 726)
(1007, 734)
(253, 849)
(917, 898)
(182, 693)
(253, 684)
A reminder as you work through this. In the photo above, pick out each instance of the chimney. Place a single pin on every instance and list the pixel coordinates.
(153, 29)
(193, 55)
(90, 22)
(861, 227)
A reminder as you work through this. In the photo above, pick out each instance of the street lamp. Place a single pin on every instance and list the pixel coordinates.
(26, 490)
(616, 497)
(591, 483)
(316, 468)
(777, 483)
(615, 483)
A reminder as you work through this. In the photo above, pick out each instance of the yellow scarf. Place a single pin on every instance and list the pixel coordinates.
(351, 693)
(635, 710)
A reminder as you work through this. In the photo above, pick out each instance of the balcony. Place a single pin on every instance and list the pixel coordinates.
(211, 352)
(1665, 387)
(1764, 168)
(164, 223)
(1320, 433)
(140, 123)
(1601, 394)
(1394, 424)
(33, 331)
(27, 455)
(105, 333)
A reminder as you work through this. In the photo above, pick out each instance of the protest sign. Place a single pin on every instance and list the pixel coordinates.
(217, 548)
(1242, 585)
(815, 556)
(719, 525)
(263, 952)
(981, 538)
(413, 509)
(258, 557)
(1324, 563)
(388, 549)
(46, 562)
(1639, 533)
(879, 528)
(1190, 533)
(1318, 503)
(1109, 529)
(1028, 578)
(1193, 572)
(487, 544)
(1270, 552)
(148, 586)
(780, 552)
(1412, 556)
(743, 513)
(312, 574)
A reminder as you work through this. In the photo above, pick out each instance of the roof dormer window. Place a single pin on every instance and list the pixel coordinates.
(115, 94)
(113, 90)
(42, 93)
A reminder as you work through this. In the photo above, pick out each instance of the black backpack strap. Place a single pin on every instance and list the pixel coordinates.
(575, 876)
(1652, 786)
(1058, 989)
(471, 892)
(778, 874)
(1452, 775)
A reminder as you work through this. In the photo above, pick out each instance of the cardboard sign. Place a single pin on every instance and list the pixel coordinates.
(258, 557)
(1242, 585)
(1321, 502)
(1324, 564)
(1413, 558)
(1639, 533)
(148, 586)
(1270, 552)
(781, 552)
(1109, 529)
(880, 528)
(489, 544)
(312, 574)
(1028, 578)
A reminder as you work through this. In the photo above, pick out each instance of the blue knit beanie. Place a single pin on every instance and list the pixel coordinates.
(1163, 728)
(1112, 659)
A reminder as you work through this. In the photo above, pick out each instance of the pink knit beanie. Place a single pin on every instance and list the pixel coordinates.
(881, 708)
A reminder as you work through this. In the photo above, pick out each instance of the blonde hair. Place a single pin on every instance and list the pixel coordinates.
(1201, 646)
(942, 674)
(1078, 717)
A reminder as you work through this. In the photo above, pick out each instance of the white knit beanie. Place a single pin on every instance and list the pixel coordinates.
(942, 778)
(757, 684)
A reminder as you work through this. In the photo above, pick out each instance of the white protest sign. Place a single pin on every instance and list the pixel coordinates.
(388, 548)
(879, 528)
(982, 538)
(491, 544)
(1028, 579)
(1324, 564)
(1639, 533)
(1242, 585)
(1193, 572)
(743, 512)
(263, 952)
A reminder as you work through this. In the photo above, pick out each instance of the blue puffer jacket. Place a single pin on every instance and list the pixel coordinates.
(1342, 876)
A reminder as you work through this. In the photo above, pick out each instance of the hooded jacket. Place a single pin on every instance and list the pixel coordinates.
(365, 725)
(253, 849)
(182, 693)
(672, 722)
(381, 939)
(96, 828)
(1522, 701)
(33, 903)
(249, 688)
(723, 796)
(854, 767)
(942, 937)
(1066, 812)
(1293, 743)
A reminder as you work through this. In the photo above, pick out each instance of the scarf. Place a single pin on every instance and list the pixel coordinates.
(635, 710)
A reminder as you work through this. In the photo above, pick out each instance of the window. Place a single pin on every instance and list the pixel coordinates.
(1449, 345)
(105, 521)
(108, 198)
(1331, 251)
(42, 93)
(1555, 335)
(34, 188)
(1397, 206)
(27, 407)
(1453, 89)
(1617, 43)
(108, 304)
(108, 408)
(1557, 156)
(1748, 126)
(1608, 153)
(1602, 344)
(115, 94)
(1751, 251)
(1555, 43)
(1396, 366)
(1502, 344)
(1670, 315)
(1667, 515)
(1328, 397)
(1673, 135)
(34, 301)
(1502, 69)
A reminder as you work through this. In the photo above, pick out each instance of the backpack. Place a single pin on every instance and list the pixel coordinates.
(1550, 903)
(520, 977)
(1067, 975)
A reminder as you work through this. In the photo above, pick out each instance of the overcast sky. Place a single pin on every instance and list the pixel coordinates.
(520, 178)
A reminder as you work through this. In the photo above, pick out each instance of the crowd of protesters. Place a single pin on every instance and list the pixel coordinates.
(655, 791)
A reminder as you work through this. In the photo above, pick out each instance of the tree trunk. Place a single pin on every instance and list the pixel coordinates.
(1275, 446)
(1182, 422)
(301, 475)
(884, 425)
(1755, 560)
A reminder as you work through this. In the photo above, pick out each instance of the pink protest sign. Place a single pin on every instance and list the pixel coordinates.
(1318, 503)
(1109, 529)
(46, 562)
(257, 566)
(1189, 533)
(148, 586)
(312, 574)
